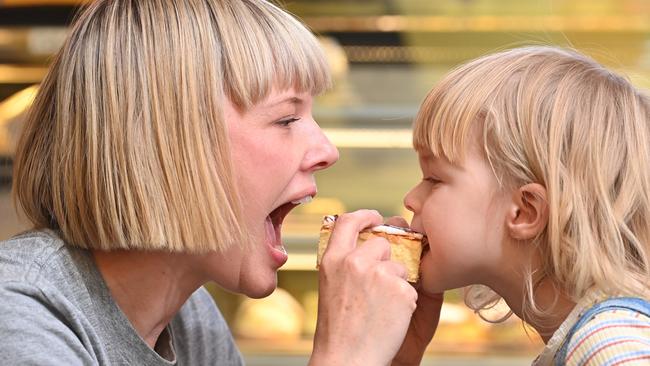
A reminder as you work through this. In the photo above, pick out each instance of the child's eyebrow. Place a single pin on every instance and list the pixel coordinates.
(424, 153)
(429, 162)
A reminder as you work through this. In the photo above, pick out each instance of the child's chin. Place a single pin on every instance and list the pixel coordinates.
(435, 283)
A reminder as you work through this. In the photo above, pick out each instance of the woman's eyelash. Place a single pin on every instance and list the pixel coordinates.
(288, 121)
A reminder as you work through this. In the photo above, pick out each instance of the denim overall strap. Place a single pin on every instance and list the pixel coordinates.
(627, 303)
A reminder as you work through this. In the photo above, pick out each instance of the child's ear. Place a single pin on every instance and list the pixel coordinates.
(528, 215)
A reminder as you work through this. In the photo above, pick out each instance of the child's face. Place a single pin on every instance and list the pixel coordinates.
(462, 210)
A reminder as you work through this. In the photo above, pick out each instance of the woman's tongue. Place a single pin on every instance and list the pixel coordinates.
(273, 234)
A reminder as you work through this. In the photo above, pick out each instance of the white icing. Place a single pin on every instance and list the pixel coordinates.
(393, 230)
(388, 229)
(329, 219)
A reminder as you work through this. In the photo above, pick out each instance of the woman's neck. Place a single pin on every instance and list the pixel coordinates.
(149, 287)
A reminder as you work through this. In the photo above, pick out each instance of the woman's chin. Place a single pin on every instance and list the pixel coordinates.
(260, 288)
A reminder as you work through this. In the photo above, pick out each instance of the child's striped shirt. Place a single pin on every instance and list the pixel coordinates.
(612, 337)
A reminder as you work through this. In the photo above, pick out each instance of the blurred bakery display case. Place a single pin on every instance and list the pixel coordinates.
(30, 32)
(385, 55)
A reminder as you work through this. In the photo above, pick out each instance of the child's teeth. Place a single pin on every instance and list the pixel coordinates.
(306, 199)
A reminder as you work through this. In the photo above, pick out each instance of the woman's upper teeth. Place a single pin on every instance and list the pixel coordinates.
(305, 199)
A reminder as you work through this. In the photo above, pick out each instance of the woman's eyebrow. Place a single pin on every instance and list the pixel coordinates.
(290, 100)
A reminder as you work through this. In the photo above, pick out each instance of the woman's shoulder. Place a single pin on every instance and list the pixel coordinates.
(25, 255)
(39, 264)
(39, 318)
(36, 238)
(618, 331)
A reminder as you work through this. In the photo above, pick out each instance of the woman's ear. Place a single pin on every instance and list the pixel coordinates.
(528, 215)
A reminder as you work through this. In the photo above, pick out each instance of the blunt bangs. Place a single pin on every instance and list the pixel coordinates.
(275, 53)
(451, 111)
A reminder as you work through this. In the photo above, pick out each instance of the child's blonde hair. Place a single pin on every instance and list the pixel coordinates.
(558, 118)
(125, 146)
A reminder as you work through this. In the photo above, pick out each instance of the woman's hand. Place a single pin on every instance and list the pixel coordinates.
(365, 303)
(423, 322)
(423, 325)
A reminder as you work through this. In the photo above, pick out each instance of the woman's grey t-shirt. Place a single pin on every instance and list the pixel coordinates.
(55, 309)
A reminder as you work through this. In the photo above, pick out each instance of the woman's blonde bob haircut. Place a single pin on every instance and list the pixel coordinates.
(555, 117)
(125, 146)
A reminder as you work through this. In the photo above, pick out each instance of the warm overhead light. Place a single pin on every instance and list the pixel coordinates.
(370, 138)
(14, 105)
(11, 108)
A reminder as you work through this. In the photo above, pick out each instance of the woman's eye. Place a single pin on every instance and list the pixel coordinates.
(286, 122)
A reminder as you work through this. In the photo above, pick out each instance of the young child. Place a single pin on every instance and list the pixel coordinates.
(536, 186)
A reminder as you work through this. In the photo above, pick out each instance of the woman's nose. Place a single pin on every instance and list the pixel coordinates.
(321, 153)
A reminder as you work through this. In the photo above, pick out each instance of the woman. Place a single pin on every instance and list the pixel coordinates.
(165, 147)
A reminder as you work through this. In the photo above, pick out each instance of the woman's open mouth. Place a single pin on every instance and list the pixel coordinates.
(273, 227)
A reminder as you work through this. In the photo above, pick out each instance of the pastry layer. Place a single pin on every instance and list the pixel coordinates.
(405, 245)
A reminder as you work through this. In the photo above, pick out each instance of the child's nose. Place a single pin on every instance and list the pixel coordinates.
(410, 201)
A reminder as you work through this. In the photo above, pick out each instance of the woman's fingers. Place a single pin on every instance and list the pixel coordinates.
(361, 293)
(344, 236)
(394, 269)
(372, 258)
(375, 248)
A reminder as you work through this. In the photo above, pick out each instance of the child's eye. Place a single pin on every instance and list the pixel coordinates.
(286, 122)
(431, 180)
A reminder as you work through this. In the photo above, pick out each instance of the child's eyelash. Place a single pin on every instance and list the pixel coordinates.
(288, 121)
(431, 180)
